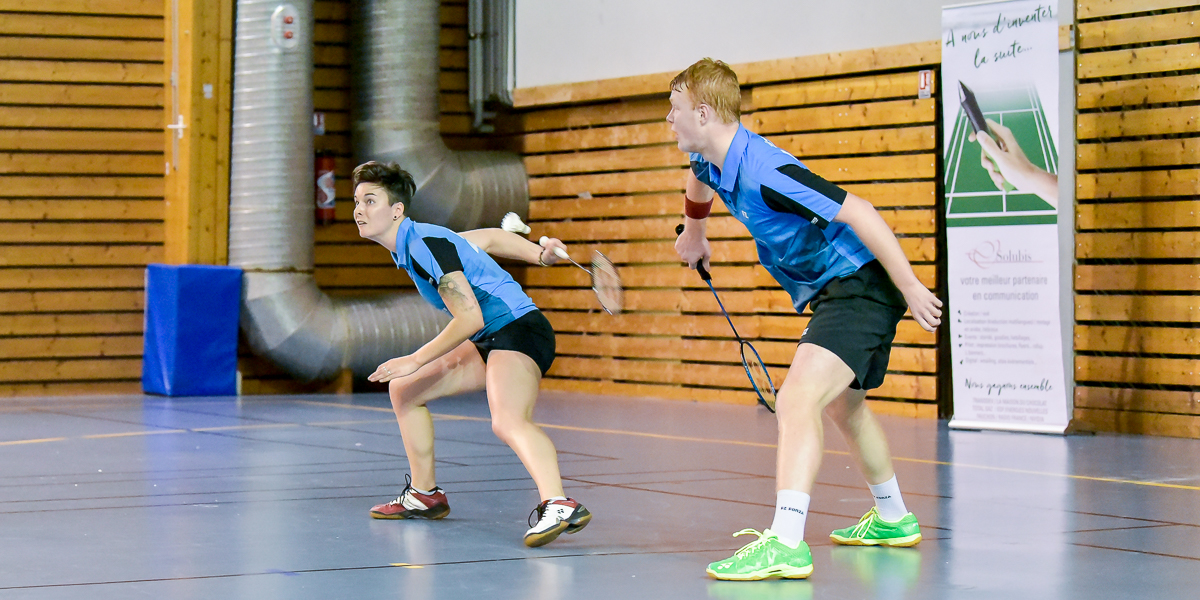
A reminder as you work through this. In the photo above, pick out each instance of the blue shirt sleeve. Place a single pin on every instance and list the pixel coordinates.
(790, 188)
(700, 169)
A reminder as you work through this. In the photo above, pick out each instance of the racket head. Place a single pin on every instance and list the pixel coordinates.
(606, 282)
(760, 379)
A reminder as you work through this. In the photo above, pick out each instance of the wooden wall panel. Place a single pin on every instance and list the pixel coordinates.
(81, 184)
(81, 187)
(1137, 281)
(605, 173)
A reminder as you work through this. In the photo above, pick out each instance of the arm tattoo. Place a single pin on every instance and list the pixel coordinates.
(452, 294)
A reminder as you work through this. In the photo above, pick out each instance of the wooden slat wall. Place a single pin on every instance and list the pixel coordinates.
(81, 187)
(606, 174)
(1138, 223)
(345, 263)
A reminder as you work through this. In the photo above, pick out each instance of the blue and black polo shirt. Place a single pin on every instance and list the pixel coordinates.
(789, 211)
(427, 252)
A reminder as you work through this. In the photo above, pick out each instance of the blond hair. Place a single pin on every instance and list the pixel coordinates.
(712, 82)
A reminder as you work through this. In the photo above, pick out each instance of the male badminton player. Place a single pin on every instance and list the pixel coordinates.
(827, 248)
(497, 340)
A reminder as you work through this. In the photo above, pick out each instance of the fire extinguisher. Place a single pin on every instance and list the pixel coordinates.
(326, 194)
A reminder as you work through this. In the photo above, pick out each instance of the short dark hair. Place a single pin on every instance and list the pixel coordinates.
(398, 183)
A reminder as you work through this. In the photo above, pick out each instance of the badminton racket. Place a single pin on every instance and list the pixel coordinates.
(606, 282)
(760, 380)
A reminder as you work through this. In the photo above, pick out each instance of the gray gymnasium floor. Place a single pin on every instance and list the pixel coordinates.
(268, 498)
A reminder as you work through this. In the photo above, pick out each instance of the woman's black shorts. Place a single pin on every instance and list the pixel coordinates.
(531, 335)
(855, 317)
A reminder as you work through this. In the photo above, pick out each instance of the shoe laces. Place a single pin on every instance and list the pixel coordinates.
(409, 490)
(399, 501)
(763, 538)
(540, 512)
(864, 523)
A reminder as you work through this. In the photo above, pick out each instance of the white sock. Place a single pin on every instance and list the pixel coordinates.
(791, 510)
(552, 499)
(888, 501)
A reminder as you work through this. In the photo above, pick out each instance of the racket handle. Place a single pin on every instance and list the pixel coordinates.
(700, 265)
(559, 252)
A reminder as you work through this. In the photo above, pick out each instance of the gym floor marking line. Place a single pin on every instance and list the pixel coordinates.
(37, 441)
(239, 427)
(99, 436)
(763, 445)
(659, 436)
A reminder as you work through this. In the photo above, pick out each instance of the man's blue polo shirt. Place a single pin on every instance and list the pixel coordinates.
(789, 212)
(427, 252)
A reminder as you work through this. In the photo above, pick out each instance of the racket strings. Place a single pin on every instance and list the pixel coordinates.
(758, 375)
(607, 283)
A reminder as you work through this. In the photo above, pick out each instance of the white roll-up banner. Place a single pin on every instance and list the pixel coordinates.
(1000, 78)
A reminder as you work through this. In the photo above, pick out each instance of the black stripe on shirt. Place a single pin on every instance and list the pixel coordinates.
(421, 272)
(444, 253)
(814, 182)
(780, 202)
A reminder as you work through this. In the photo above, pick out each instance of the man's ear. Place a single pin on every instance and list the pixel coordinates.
(705, 113)
(398, 211)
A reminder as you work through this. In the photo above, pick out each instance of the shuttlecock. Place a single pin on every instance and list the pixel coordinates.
(512, 223)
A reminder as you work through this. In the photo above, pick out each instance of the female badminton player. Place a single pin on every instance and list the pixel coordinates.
(497, 340)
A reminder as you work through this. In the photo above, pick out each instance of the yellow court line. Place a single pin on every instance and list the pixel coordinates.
(340, 405)
(660, 436)
(1028, 472)
(235, 427)
(37, 441)
(98, 436)
(359, 422)
(764, 445)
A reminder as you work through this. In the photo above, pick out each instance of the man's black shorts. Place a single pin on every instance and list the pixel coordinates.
(855, 317)
(531, 335)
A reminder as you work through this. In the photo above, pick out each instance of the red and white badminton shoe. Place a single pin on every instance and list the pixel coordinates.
(553, 518)
(414, 505)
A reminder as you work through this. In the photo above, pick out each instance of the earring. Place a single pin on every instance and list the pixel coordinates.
(394, 218)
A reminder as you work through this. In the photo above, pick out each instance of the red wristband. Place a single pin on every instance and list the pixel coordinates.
(696, 210)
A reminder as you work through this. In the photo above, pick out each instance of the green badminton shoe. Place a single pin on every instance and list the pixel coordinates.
(764, 558)
(871, 530)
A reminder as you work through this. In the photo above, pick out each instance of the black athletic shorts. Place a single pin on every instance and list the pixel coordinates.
(531, 335)
(855, 317)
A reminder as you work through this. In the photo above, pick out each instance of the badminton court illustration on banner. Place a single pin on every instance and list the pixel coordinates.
(606, 282)
(1009, 179)
(760, 380)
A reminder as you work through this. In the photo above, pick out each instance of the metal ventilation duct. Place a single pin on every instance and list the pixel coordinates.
(285, 317)
(397, 119)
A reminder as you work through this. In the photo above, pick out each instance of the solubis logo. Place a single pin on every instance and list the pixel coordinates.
(992, 253)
